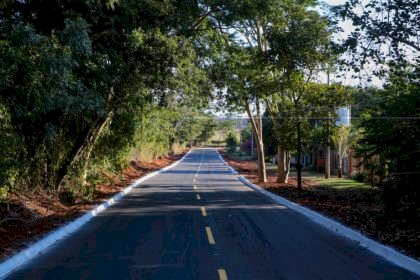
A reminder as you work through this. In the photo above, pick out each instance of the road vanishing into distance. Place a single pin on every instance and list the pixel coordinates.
(198, 221)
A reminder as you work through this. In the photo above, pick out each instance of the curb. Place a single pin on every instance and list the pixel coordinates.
(40, 246)
(379, 249)
(231, 170)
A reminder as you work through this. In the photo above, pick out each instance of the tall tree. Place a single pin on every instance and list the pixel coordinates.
(70, 69)
(386, 33)
(240, 91)
(298, 49)
(343, 140)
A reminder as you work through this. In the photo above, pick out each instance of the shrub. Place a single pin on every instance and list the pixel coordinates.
(401, 197)
(86, 192)
(358, 176)
(231, 142)
(67, 197)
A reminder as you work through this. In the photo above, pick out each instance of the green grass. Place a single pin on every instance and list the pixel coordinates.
(307, 174)
(341, 183)
(318, 178)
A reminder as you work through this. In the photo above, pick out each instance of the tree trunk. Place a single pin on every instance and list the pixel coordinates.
(299, 155)
(84, 145)
(283, 165)
(92, 143)
(327, 162)
(340, 166)
(261, 156)
(262, 177)
(64, 168)
(83, 152)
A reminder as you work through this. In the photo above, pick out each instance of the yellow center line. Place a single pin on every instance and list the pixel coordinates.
(210, 235)
(222, 274)
(198, 197)
(203, 211)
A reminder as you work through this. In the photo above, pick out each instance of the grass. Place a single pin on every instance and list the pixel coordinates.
(316, 177)
(319, 179)
(341, 183)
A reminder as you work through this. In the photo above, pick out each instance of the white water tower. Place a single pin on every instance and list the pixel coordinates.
(344, 116)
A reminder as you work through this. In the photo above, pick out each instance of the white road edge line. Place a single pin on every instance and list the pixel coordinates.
(379, 249)
(233, 171)
(14, 262)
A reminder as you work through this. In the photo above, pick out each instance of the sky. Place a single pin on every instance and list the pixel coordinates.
(345, 78)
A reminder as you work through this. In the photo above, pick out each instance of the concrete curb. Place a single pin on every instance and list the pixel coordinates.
(37, 248)
(231, 170)
(384, 251)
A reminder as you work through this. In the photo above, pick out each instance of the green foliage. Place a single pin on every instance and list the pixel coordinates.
(67, 197)
(358, 176)
(389, 122)
(302, 42)
(344, 139)
(231, 142)
(246, 134)
(80, 80)
(208, 130)
(386, 32)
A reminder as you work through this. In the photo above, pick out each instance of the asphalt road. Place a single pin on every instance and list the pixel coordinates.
(197, 221)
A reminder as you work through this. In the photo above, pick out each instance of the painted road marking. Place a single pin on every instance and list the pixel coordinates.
(210, 236)
(195, 187)
(203, 211)
(198, 197)
(222, 274)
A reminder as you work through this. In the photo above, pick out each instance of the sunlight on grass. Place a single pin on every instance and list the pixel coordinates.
(340, 183)
(318, 178)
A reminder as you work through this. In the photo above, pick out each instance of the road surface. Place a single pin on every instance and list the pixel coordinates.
(197, 221)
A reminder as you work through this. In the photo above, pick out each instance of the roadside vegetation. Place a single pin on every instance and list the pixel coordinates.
(90, 89)
(285, 73)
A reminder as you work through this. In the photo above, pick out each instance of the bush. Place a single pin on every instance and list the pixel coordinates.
(358, 176)
(67, 197)
(401, 197)
(246, 147)
(231, 142)
(86, 192)
(3, 193)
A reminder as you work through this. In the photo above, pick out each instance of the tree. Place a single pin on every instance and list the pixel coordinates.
(74, 72)
(224, 127)
(343, 140)
(325, 103)
(240, 91)
(231, 142)
(297, 51)
(389, 123)
(245, 28)
(279, 109)
(386, 33)
(208, 128)
(386, 36)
